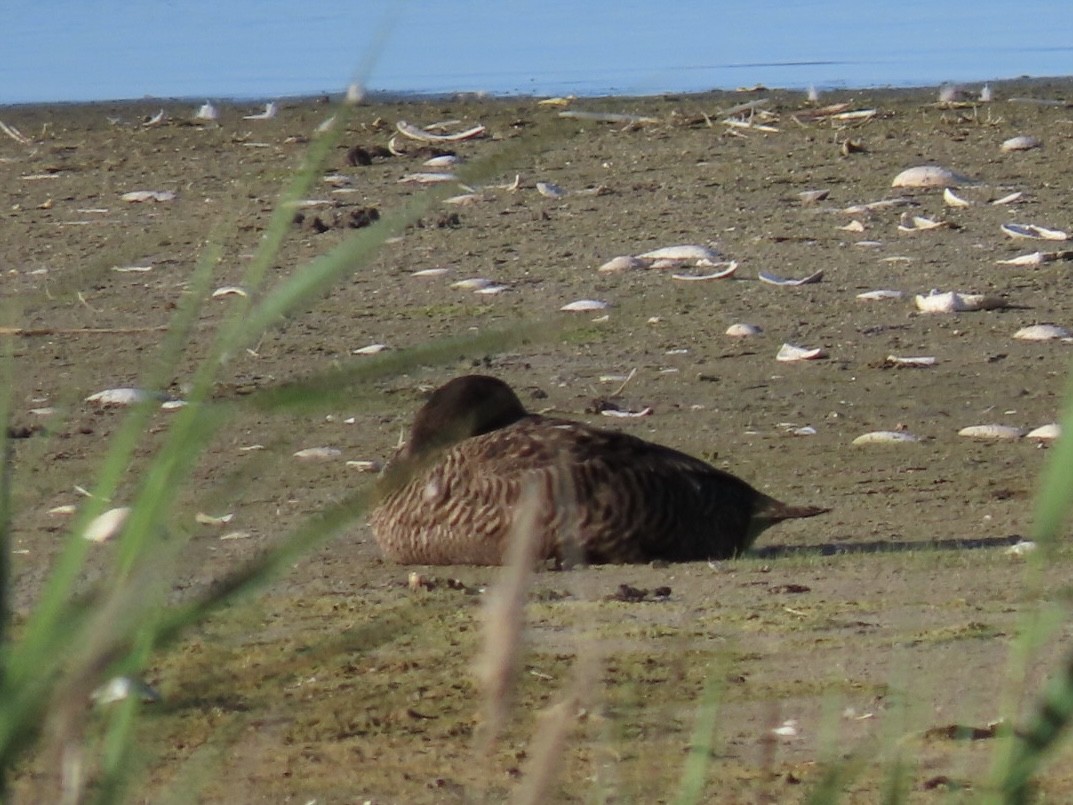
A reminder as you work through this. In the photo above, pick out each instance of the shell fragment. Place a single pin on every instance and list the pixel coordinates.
(886, 437)
(1042, 332)
(1025, 142)
(743, 330)
(105, 526)
(954, 302)
(1031, 231)
(788, 353)
(992, 433)
(929, 176)
(772, 279)
(583, 305)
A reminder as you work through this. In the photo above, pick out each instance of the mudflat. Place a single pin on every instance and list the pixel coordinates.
(868, 633)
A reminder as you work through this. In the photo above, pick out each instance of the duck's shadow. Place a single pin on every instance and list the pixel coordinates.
(884, 546)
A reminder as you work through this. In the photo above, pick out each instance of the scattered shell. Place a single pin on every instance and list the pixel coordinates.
(132, 269)
(427, 178)
(431, 272)
(464, 199)
(372, 349)
(207, 112)
(1033, 232)
(1032, 259)
(731, 267)
(954, 302)
(1026, 142)
(787, 730)
(789, 353)
(1042, 332)
(230, 290)
(105, 526)
(886, 437)
(442, 161)
(929, 176)
(918, 362)
(853, 226)
(1010, 199)
(812, 196)
(617, 412)
(1021, 548)
(772, 279)
(423, 135)
(882, 204)
(622, 263)
(207, 519)
(318, 453)
(582, 305)
(270, 112)
(1045, 433)
(992, 432)
(743, 330)
(117, 397)
(952, 199)
(366, 465)
(874, 296)
(919, 223)
(64, 510)
(473, 284)
(148, 195)
(550, 190)
(123, 687)
(682, 253)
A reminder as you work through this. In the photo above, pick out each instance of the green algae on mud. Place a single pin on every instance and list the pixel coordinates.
(339, 681)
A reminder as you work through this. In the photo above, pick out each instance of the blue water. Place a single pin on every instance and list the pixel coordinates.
(82, 50)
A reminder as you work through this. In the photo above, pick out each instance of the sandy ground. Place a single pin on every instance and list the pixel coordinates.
(891, 616)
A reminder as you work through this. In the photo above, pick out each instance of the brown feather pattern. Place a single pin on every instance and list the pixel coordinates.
(450, 494)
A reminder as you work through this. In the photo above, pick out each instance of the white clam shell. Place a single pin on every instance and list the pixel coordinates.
(271, 110)
(582, 305)
(119, 397)
(919, 223)
(916, 362)
(427, 178)
(727, 271)
(431, 272)
(422, 135)
(550, 190)
(883, 293)
(928, 176)
(119, 688)
(1009, 199)
(1025, 142)
(473, 283)
(886, 437)
(1045, 433)
(853, 226)
(371, 349)
(492, 290)
(772, 279)
(1033, 232)
(105, 526)
(744, 330)
(1042, 332)
(208, 519)
(624, 262)
(952, 199)
(149, 195)
(996, 433)
(682, 253)
(464, 199)
(1021, 548)
(1031, 259)
(442, 161)
(318, 454)
(954, 302)
(229, 290)
(788, 353)
(812, 196)
(366, 465)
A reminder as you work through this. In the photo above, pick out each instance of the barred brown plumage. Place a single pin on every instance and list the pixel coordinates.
(449, 495)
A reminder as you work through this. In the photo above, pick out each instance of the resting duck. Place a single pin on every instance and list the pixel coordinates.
(449, 496)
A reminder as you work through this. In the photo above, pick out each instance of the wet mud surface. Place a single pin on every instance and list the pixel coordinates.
(892, 615)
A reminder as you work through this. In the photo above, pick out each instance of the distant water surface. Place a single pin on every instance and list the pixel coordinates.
(83, 50)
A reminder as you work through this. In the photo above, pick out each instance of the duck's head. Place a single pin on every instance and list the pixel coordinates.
(461, 408)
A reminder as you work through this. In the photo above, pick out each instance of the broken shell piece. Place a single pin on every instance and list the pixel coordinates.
(789, 353)
(550, 190)
(886, 437)
(622, 263)
(744, 330)
(422, 135)
(772, 279)
(1021, 548)
(882, 204)
(618, 412)
(1010, 199)
(1032, 259)
(427, 178)
(927, 176)
(954, 302)
(952, 199)
(318, 453)
(66, 509)
(124, 687)
(118, 397)
(442, 161)
(105, 526)
(853, 226)
(883, 293)
(582, 305)
(464, 199)
(788, 729)
(491, 290)
(148, 195)
(995, 433)
(1045, 433)
(731, 267)
(207, 519)
(366, 465)
(919, 362)
(1042, 332)
(1034, 232)
(1026, 142)
(812, 196)
(473, 284)
(430, 272)
(372, 349)
(682, 253)
(918, 223)
(229, 290)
